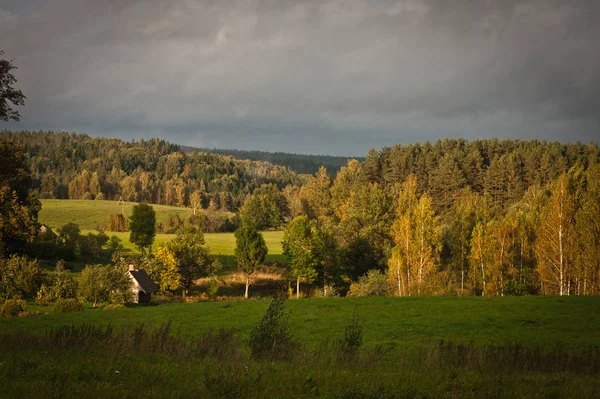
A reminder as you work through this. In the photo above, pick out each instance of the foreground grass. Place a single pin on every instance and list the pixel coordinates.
(402, 356)
(72, 373)
(398, 324)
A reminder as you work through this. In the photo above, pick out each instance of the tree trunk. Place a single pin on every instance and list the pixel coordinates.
(483, 278)
(561, 260)
(398, 274)
(502, 268)
(421, 258)
(462, 267)
(247, 286)
(407, 268)
(297, 288)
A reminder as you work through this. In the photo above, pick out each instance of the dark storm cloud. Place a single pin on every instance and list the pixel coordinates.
(335, 76)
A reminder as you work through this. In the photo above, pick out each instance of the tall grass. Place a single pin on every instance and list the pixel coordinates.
(73, 360)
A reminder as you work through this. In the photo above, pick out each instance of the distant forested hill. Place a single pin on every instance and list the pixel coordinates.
(77, 166)
(299, 163)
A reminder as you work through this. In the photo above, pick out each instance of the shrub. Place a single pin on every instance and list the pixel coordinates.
(105, 283)
(100, 197)
(114, 244)
(64, 305)
(271, 337)
(374, 283)
(353, 337)
(330, 292)
(172, 224)
(19, 276)
(116, 222)
(87, 196)
(43, 296)
(60, 284)
(212, 288)
(13, 307)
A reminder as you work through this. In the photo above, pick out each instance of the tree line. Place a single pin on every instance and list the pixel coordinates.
(299, 163)
(485, 217)
(460, 218)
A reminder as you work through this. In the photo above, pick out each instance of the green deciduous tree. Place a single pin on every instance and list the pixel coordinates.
(262, 211)
(105, 283)
(374, 283)
(192, 255)
(142, 224)
(164, 269)
(19, 276)
(250, 251)
(299, 246)
(59, 284)
(315, 196)
(18, 208)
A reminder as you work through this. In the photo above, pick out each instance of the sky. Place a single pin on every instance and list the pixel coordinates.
(316, 77)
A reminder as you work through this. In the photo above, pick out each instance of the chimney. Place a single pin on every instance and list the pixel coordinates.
(131, 267)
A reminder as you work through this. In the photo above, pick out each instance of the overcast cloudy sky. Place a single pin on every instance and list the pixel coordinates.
(331, 77)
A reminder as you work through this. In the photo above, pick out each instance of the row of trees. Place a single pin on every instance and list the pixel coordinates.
(97, 283)
(546, 242)
(183, 260)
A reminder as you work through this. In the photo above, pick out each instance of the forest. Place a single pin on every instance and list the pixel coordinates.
(299, 163)
(454, 217)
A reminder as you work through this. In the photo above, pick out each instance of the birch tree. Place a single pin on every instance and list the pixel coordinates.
(427, 240)
(554, 229)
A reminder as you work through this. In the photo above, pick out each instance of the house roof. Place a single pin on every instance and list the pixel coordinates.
(144, 281)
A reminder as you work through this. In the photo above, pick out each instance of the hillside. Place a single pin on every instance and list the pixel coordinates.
(77, 166)
(90, 215)
(299, 163)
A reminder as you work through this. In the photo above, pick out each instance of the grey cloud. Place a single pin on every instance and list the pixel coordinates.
(306, 76)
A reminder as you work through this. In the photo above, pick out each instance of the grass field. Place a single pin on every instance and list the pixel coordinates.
(401, 323)
(90, 215)
(221, 244)
(402, 355)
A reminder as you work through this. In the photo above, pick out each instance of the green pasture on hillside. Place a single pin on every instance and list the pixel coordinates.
(90, 215)
(398, 324)
(221, 244)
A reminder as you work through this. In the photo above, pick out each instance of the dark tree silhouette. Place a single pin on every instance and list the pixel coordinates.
(9, 96)
(142, 224)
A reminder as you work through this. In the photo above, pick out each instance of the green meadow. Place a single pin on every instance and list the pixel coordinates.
(400, 323)
(448, 347)
(221, 244)
(90, 215)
